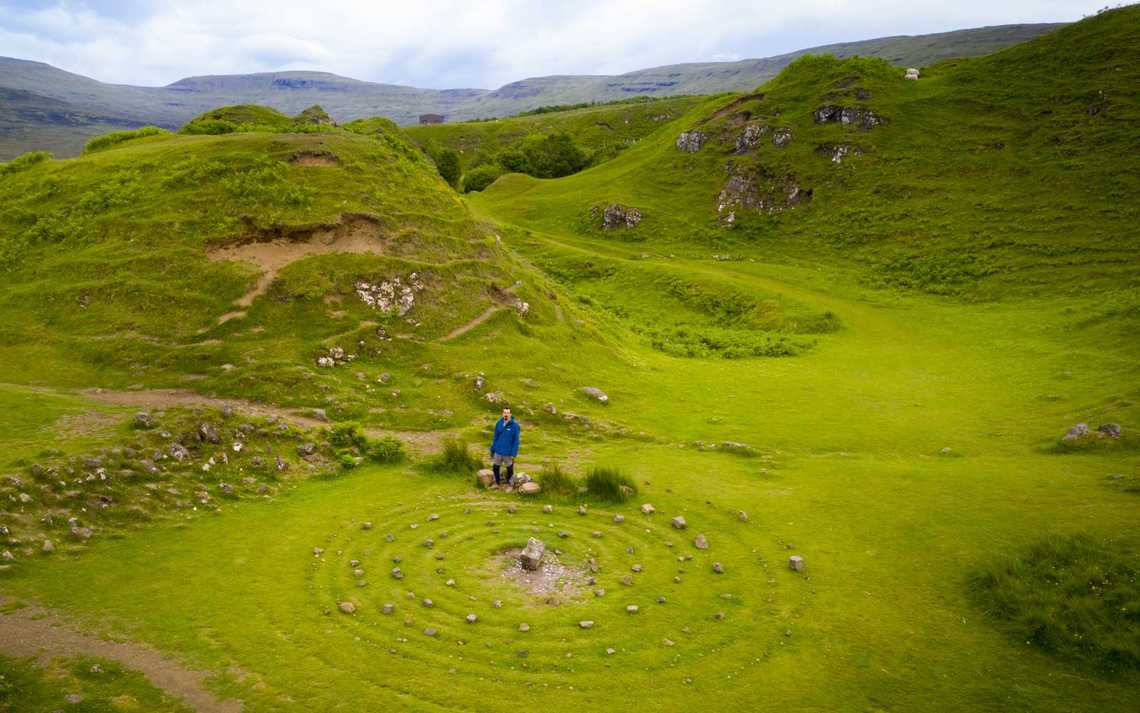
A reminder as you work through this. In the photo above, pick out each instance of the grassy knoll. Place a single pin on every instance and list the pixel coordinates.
(947, 308)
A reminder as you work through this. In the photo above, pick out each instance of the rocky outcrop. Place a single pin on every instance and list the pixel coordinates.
(763, 194)
(781, 137)
(691, 141)
(750, 137)
(616, 215)
(847, 116)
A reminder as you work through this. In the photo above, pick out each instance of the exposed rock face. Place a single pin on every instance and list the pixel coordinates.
(838, 152)
(768, 194)
(781, 138)
(531, 557)
(750, 137)
(691, 141)
(616, 215)
(848, 116)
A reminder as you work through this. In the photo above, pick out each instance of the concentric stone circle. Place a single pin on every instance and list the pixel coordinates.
(425, 584)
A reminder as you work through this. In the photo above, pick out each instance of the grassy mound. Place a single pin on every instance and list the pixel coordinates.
(1073, 597)
(939, 186)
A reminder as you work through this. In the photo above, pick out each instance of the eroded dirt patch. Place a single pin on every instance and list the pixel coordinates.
(272, 249)
(554, 581)
(314, 158)
(158, 399)
(32, 631)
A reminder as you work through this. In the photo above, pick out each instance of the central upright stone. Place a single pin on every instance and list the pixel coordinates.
(531, 557)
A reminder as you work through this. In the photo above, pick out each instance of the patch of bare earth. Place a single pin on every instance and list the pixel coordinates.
(314, 158)
(86, 424)
(157, 399)
(554, 582)
(32, 631)
(273, 248)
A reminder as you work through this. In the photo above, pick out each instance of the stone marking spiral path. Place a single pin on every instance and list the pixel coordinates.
(425, 584)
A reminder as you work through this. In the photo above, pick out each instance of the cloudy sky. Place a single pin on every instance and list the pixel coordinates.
(476, 43)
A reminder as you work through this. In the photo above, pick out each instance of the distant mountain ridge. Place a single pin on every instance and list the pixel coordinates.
(43, 107)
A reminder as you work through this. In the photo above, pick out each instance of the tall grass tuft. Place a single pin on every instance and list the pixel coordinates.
(455, 458)
(610, 485)
(557, 482)
(1073, 597)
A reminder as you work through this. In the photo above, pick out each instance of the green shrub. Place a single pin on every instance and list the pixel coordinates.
(106, 141)
(480, 177)
(447, 163)
(211, 127)
(1074, 597)
(545, 156)
(385, 450)
(555, 481)
(23, 161)
(347, 435)
(610, 485)
(455, 458)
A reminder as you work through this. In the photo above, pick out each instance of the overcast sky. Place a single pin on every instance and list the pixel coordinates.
(476, 43)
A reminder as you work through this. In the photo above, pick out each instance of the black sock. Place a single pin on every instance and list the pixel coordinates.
(510, 473)
(496, 469)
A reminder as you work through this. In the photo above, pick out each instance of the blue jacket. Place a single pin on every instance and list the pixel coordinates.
(506, 440)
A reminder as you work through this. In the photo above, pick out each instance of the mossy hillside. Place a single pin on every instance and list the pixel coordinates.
(107, 262)
(957, 191)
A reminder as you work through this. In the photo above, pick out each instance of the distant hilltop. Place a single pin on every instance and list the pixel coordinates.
(45, 108)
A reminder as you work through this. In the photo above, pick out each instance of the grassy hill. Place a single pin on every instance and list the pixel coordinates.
(58, 111)
(843, 317)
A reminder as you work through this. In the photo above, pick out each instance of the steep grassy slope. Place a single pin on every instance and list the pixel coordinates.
(132, 265)
(57, 111)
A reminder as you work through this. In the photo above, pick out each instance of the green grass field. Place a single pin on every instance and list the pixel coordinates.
(878, 376)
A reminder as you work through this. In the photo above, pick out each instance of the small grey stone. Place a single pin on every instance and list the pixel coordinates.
(586, 624)
(718, 568)
(619, 518)
(679, 523)
(428, 603)
(795, 562)
(700, 541)
(389, 607)
(632, 609)
(524, 627)
(347, 607)
(471, 618)
(430, 631)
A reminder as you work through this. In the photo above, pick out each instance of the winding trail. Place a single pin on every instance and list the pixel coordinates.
(465, 328)
(40, 633)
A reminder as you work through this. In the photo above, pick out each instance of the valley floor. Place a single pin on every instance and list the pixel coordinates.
(851, 475)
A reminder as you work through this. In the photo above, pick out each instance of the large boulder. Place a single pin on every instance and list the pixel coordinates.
(530, 488)
(595, 393)
(531, 557)
(486, 477)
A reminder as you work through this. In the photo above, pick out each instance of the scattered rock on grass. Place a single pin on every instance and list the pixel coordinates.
(595, 393)
(531, 557)
(648, 509)
(700, 541)
(347, 607)
(679, 523)
(795, 562)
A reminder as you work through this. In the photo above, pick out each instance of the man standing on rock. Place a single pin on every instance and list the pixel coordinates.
(505, 445)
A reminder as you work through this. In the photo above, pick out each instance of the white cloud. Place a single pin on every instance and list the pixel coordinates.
(482, 43)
